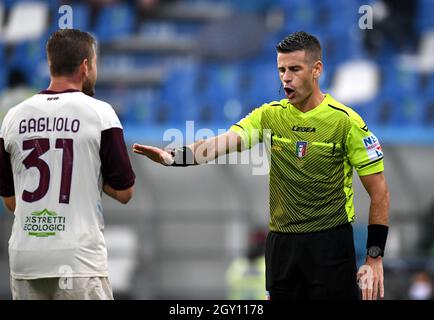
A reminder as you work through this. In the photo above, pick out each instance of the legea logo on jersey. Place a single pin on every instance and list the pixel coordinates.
(301, 148)
(44, 223)
(373, 147)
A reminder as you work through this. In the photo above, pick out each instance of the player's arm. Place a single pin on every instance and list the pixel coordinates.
(118, 175)
(200, 152)
(7, 189)
(9, 203)
(123, 196)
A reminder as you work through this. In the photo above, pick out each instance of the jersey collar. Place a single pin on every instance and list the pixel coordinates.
(58, 92)
(313, 111)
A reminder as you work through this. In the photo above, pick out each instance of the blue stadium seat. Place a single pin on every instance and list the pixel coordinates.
(429, 112)
(3, 79)
(114, 22)
(186, 110)
(161, 29)
(265, 85)
(397, 80)
(425, 15)
(180, 84)
(299, 15)
(2, 54)
(194, 108)
(430, 87)
(223, 81)
(81, 17)
(134, 106)
(404, 109)
(337, 16)
(10, 3)
(143, 105)
(199, 96)
(180, 92)
(30, 58)
(169, 28)
(342, 6)
(249, 5)
(3, 69)
(116, 98)
(369, 111)
(231, 86)
(329, 69)
(413, 110)
(188, 28)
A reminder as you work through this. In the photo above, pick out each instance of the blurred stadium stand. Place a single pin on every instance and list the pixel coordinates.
(35, 14)
(162, 63)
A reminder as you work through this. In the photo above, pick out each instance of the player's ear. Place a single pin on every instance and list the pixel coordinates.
(85, 67)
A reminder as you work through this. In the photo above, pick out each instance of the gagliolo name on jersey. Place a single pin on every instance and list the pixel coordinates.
(44, 223)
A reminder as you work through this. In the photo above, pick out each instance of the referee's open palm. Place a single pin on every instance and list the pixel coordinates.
(155, 154)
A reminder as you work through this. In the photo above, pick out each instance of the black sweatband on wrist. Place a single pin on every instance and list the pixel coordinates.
(182, 157)
(377, 236)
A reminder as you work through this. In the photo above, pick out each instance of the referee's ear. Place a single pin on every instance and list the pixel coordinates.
(317, 69)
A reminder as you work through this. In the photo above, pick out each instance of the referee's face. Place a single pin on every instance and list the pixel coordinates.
(297, 75)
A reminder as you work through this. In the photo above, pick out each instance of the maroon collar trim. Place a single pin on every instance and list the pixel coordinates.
(58, 92)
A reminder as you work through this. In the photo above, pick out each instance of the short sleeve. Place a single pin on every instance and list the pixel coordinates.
(250, 128)
(109, 118)
(116, 167)
(364, 150)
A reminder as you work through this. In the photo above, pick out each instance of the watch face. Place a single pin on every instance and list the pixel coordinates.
(374, 251)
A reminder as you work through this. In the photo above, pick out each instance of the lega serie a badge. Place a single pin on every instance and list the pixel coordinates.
(300, 148)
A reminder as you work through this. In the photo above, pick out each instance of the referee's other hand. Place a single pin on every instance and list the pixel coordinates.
(370, 278)
(155, 154)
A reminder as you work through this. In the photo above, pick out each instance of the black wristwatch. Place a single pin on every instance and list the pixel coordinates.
(375, 252)
(183, 157)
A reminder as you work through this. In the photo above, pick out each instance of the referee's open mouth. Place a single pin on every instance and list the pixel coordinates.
(290, 93)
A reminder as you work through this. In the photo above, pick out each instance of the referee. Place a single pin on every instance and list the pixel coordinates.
(316, 142)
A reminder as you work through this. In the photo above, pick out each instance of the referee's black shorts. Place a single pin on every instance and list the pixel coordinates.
(312, 266)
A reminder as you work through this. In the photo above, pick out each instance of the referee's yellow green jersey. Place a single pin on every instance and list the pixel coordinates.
(312, 158)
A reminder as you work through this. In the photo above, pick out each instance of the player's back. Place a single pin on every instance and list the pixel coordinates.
(54, 142)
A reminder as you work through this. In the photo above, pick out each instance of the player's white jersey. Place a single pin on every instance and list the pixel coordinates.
(54, 141)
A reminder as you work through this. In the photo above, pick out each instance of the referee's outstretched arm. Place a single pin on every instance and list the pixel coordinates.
(370, 275)
(199, 152)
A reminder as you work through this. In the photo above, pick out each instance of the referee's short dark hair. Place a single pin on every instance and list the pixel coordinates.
(66, 50)
(302, 41)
